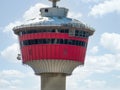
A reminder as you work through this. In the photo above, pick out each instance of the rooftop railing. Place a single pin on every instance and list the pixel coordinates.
(77, 25)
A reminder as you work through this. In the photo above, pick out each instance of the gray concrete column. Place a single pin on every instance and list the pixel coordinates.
(53, 82)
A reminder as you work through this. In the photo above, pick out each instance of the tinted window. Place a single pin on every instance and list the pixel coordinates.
(81, 33)
(53, 41)
(42, 31)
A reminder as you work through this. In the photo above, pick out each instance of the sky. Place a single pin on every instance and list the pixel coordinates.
(101, 70)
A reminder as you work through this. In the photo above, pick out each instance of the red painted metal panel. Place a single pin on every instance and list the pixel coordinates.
(43, 53)
(53, 51)
(57, 51)
(60, 52)
(75, 53)
(64, 52)
(29, 53)
(82, 54)
(50, 35)
(23, 53)
(69, 55)
(46, 51)
(80, 59)
(40, 52)
(72, 53)
(69, 48)
(26, 53)
(35, 52)
(79, 54)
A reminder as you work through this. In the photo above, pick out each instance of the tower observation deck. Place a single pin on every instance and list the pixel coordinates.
(53, 45)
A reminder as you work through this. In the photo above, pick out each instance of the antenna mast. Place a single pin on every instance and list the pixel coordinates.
(54, 2)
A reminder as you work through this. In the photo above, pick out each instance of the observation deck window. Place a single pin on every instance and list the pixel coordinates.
(77, 33)
(53, 41)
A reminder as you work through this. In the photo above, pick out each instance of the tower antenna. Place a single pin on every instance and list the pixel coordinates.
(54, 2)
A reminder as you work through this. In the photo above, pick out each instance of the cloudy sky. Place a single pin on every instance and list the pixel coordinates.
(102, 65)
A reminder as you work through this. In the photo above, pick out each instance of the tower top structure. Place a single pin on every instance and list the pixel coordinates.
(53, 45)
(54, 11)
(54, 2)
(53, 16)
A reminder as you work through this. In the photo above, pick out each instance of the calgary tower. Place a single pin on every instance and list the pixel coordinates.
(53, 45)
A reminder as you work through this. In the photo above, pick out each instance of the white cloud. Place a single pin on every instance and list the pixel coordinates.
(78, 75)
(10, 53)
(4, 83)
(94, 64)
(10, 26)
(29, 14)
(94, 50)
(93, 84)
(88, 1)
(111, 41)
(33, 11)
(11, 74)
(9, 84)
(74, 15)
(101, 64)
(104, 63)
(15, 80)
(108, 6)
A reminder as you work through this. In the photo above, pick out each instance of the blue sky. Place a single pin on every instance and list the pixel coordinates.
(102, 65)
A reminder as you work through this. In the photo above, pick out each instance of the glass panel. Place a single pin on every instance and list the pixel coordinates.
(53, 41)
